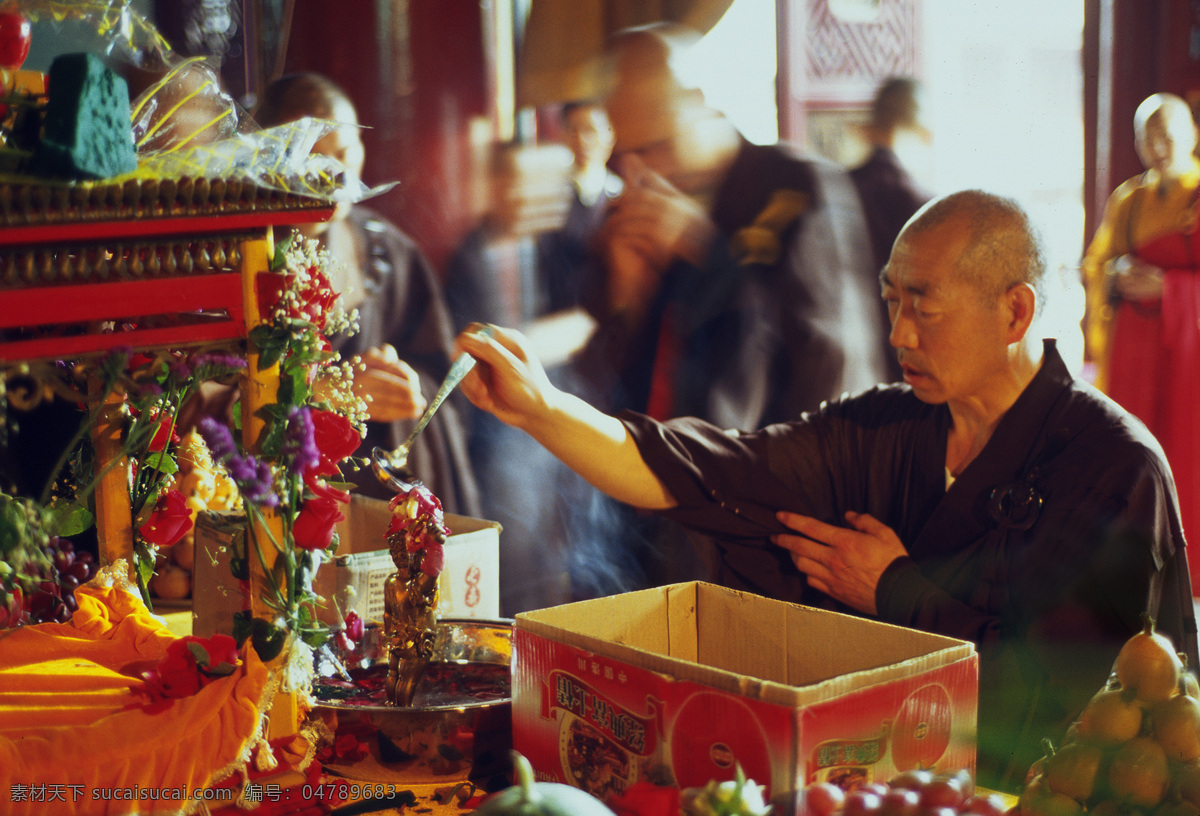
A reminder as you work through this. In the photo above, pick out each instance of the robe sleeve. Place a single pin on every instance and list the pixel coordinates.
(905, 596)
(1110, 241)
(730, 484)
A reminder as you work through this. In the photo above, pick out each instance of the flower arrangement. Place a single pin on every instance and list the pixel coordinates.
(191, 663)
(309, 433)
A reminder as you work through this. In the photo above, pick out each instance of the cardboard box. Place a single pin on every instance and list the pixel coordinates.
(676, 684)
(468, 586)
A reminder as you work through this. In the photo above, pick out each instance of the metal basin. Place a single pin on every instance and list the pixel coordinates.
(457, 729)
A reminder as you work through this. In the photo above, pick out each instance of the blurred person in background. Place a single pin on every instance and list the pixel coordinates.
(738, 281)
(566, 255)
(888, 193)
(405, 335)
(526, 263)
(1142, 323)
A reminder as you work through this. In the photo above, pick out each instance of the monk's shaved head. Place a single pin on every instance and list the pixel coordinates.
(1003, 247)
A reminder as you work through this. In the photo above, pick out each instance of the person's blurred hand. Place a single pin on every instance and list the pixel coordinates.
(1137, 280)
(531, 194)
(656, 218)
(389, 386)
(632, 278)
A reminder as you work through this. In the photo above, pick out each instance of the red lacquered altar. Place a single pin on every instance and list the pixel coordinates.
(142, 265)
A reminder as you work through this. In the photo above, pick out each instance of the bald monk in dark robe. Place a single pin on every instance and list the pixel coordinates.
(989, 497)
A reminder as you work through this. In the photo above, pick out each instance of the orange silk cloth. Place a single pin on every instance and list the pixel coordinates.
(76, 739)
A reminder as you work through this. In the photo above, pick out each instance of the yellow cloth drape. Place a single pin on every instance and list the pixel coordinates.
(1122, 230)
(74, 736)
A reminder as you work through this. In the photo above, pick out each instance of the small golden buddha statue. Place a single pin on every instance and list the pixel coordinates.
(415, 538)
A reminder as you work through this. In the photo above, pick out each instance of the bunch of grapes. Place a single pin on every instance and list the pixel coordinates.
(916, 792)
(52, 594)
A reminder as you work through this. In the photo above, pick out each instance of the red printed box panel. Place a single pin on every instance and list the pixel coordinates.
(602, 724)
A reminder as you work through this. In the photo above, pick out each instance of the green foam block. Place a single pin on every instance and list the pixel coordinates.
(86, 132)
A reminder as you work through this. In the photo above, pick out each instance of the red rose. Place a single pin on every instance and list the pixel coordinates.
(164, 433)
(335, 438)
(170, 520)
(354, 626)
(320, 487)
(216, 656)
(175, 675)
(313, 527)
(190, 664)
(312, 302)
(138, 360)
(317, 297)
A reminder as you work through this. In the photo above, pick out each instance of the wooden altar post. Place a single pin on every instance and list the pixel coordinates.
(114, 513)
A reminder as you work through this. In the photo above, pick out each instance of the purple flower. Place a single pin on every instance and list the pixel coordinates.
(218, 437)
(214, 360)
(252, 476)
(300, 442)
(259, 489)
(242, 469)
(181, 368)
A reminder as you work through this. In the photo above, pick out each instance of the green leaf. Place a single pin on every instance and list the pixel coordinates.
(241, 626)
(279, 259)
(220, 670)
(199, 653)
(271, 442)
(293, 387)
(240, 567)
(271, 341)
(267, 638)
(161, 461)
(145, 566)
(316, 638)
(69, 518)
(269, 356)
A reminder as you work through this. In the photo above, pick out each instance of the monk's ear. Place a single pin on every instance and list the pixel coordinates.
(1021, 302)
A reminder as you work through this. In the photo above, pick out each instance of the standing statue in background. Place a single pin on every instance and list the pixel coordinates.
(415, 537)
(1142, 326)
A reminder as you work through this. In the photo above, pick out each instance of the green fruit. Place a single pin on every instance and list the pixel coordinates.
(530, 798)
(733, 797)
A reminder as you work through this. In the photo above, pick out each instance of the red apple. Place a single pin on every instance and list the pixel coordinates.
(823, 799)
(899, 802)
(860, 803)
(15, 35)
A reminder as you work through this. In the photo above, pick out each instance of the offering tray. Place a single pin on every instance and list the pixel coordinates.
(459, 727)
